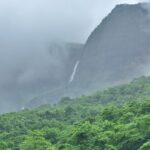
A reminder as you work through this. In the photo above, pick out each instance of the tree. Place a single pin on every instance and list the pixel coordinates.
(145, 146)
(3, 146)
(36, 143)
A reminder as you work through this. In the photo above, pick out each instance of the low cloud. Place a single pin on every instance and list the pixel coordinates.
(27, 29)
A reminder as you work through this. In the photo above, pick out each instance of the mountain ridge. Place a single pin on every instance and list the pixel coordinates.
(118, 44)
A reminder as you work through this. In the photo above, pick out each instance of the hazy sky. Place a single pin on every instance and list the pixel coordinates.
(69, 20)
(26, 29)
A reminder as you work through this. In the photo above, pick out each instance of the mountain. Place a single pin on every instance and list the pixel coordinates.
(117, 50)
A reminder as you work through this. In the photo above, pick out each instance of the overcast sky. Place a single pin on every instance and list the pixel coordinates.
(69, 20)
(26, 30)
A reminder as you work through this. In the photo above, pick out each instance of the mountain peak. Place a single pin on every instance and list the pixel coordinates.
(118, 49)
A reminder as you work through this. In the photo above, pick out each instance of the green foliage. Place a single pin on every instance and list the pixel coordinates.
(3, 146)
(114, 119)
(145, 146)
(36, 143)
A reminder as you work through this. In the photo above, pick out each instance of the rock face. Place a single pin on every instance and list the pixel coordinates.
(117, 50)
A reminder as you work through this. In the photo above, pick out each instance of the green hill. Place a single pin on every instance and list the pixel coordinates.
(115, 119)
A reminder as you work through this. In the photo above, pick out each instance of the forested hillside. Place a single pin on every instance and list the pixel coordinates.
(114, 119)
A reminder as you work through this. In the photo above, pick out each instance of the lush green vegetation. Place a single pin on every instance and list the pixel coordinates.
(114, 119)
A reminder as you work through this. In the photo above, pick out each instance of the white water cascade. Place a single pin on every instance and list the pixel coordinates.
(74, 71)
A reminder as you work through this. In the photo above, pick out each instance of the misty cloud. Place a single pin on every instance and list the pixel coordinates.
(28, 27)
(53, 18)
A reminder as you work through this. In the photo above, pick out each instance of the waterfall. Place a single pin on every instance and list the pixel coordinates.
(74, 71)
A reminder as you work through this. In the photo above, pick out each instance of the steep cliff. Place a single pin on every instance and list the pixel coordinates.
(118, 49)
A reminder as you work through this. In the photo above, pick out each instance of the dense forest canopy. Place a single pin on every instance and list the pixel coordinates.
(114, 119)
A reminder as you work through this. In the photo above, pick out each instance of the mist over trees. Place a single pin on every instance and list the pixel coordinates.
(116, 119)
